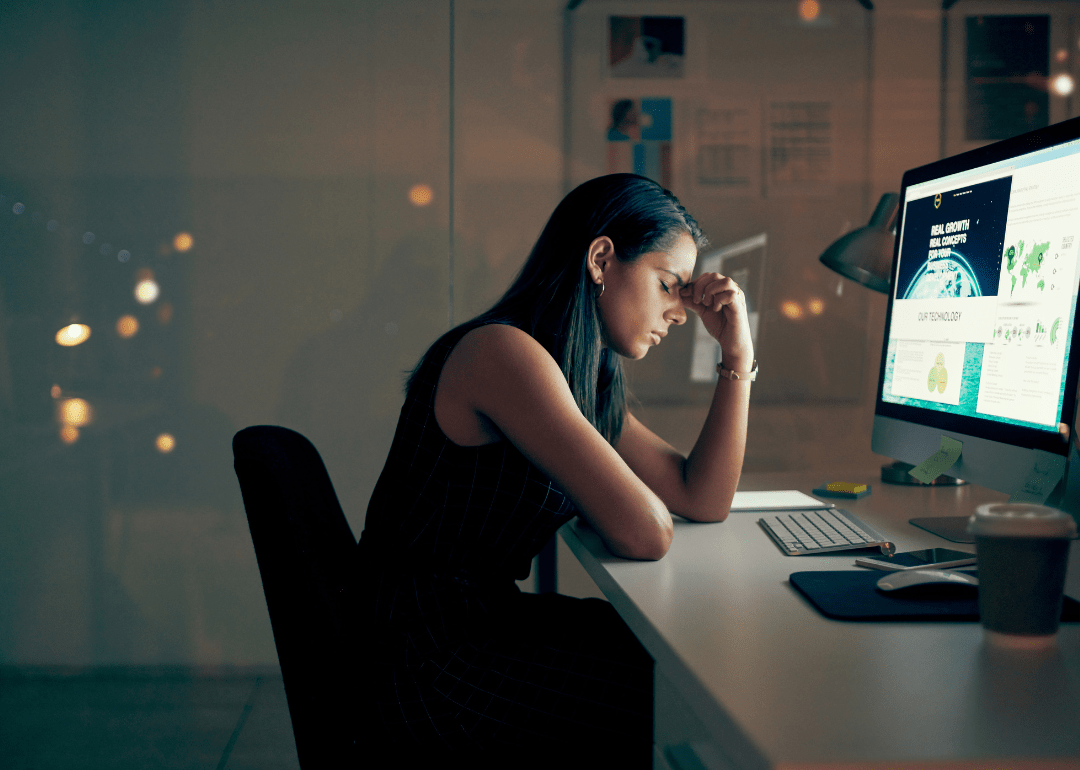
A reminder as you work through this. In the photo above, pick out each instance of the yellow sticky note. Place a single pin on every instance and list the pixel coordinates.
(845, 486)
(939, 462)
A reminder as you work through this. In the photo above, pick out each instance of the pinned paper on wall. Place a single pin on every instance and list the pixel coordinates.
(727, 148)
(1044, 476)
(939, 462)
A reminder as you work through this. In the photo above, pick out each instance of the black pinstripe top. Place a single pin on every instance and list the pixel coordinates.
(458, 659)
(450, 528)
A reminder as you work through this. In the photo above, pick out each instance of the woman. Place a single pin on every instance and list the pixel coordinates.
(513, 423)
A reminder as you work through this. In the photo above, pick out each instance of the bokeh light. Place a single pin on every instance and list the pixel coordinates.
(815, 306)
(55, 391)
(72, 335)
(183, 241)
(146, 291)
(792, 310)
(420, 195)
(1062, 84)
(165, 313)
(1061, 55)
(127, 326)
(69, 434)
(75, 411)
(809, 9)
(165, 443)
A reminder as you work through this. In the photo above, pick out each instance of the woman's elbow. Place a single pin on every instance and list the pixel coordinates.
(706, 515)
(649, 546)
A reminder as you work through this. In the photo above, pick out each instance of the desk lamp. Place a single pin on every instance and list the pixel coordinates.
(865, 256)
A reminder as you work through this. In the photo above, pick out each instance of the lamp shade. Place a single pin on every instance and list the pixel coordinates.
(865, 255)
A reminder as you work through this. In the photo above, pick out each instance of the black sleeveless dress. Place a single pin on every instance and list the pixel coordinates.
(464, 662)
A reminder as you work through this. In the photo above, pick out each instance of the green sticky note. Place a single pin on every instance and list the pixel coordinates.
(1047, 472)
(939, 462)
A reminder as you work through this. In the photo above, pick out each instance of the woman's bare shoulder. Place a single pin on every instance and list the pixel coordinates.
(498, 347)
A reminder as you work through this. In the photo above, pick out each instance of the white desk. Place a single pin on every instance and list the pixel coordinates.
(750, 675)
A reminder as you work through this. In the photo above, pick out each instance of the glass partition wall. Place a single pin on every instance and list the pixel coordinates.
(214, 215)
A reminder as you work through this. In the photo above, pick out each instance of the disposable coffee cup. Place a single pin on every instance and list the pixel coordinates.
(1022, 550)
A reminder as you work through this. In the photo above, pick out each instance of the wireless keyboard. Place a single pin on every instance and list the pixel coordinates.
(834, 529)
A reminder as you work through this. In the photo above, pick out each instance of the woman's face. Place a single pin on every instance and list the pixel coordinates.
(641, 298)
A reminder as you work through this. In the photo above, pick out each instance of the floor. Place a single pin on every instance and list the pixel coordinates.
(144, 718)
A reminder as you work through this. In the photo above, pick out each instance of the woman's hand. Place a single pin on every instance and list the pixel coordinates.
(721, 305)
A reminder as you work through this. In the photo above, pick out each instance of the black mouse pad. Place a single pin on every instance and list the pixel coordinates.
(853, 595)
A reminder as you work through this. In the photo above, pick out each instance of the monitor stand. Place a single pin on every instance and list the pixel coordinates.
(952, 528)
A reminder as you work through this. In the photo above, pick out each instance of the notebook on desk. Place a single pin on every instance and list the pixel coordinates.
(776, 500)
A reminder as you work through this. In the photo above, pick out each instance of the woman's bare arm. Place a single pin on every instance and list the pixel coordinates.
(501, 374)
(701, 486)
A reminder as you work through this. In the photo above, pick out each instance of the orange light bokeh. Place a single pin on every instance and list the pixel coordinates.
(183, 241)
(420, 195)
(73, 334)
(815, 306)
(69, 434)
(127, 326)
(809, 10)
(165, 313)
(165, 443)
(55, 391)
(75, 412)
(792, 310)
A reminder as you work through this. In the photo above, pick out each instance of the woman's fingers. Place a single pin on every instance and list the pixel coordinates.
(711, 291)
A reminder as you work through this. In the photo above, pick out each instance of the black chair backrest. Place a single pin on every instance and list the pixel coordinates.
(304, 548)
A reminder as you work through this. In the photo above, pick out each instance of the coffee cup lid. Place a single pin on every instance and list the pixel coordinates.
(1021, 520)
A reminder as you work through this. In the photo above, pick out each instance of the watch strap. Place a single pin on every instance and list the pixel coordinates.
(731, 374)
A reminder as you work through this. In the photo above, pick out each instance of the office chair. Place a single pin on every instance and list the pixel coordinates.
(304, 548)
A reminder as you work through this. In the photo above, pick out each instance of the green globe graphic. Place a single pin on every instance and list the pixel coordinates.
(950, 276)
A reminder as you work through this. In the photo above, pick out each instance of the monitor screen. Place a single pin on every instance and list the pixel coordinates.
(979, 343)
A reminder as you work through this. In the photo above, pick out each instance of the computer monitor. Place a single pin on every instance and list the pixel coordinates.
(980, 343)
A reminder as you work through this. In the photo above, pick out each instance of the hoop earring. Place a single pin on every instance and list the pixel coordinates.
(600, 293)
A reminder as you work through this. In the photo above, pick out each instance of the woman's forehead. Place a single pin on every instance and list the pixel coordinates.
(679, 259)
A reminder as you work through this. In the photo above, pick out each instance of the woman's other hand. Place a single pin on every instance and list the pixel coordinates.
(721, 305)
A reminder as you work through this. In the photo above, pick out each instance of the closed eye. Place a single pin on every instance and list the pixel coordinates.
(667, 289)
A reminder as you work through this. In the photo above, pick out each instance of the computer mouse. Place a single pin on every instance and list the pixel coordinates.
(927, 582)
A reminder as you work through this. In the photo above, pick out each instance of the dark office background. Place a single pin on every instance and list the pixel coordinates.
(315, 189)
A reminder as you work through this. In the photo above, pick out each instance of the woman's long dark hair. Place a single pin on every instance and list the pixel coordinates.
(553, 299)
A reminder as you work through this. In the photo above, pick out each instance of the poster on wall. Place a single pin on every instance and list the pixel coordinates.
(646, 46)
(639, 138)
(727, 148)
(800, 147)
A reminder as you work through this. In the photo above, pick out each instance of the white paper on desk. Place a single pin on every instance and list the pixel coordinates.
(777, 500)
